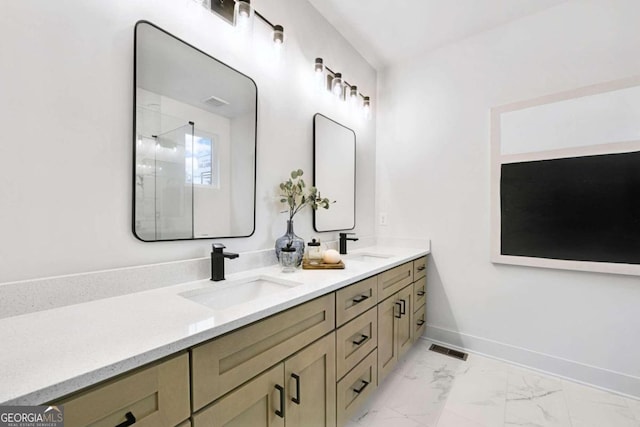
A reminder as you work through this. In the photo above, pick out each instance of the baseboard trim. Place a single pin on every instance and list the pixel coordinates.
(602, 378)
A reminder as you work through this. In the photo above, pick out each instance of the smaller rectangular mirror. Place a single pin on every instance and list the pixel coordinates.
(334, 173)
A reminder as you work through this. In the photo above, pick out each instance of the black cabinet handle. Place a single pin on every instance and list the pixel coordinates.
(399, 311)
(362, 387)
(280, 413)
(360, 299)
(404, 307)
(362, 339)
(420, 322)
(420, 293)
(422, 267)
(297, 398)
(130, 420)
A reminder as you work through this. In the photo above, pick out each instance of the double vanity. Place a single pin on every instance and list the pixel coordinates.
(260, 348)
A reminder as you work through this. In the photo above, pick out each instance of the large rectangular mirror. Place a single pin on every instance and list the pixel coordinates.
(194, 142)
(334, 173)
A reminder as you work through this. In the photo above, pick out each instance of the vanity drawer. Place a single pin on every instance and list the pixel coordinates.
(226, 362)
(391, 281)
(355, 340)
(419, 268)
(155, 396)
(354, 389)
(356, 299)
(419, 322)
(419, 293)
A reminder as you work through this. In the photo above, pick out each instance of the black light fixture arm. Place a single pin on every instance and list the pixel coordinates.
(346, 83)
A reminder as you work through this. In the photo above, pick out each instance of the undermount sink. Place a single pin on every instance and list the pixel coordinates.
(367, 257)
(221, 296)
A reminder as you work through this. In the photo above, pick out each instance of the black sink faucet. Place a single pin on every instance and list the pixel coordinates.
(217, 261)
(343, 242)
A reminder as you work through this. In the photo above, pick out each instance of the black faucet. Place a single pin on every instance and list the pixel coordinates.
(217, 261)
(343, 242)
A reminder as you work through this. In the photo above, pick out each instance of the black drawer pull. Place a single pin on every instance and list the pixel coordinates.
(399, 311)
(404, 307)
(422, 267)
(420, 293)
(362, 339)
(280, 413)
(297, 398)
(360, 299)
(130, 420)
(362, 387)
(420, 322)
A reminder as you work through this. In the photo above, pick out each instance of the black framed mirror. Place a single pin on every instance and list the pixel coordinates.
(334, 173)
(195, 124)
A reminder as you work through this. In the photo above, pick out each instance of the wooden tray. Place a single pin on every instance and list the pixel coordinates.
(306, 265)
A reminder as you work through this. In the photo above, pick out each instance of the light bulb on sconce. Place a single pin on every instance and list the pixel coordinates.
(243, 16)
(336, 85)
(278, 40)
(366, 108)
(353, 95)
(278, 35)
(319, 74)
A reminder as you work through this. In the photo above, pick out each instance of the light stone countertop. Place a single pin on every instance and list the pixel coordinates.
(49, 354)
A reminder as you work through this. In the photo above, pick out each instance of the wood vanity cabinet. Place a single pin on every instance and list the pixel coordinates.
(395, 329)
(312, 365)
(298, 392)
(155, 396)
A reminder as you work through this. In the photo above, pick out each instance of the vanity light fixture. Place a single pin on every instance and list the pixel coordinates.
(340, 87)
(241, 14)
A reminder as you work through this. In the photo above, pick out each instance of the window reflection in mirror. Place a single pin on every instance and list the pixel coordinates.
(195, 142)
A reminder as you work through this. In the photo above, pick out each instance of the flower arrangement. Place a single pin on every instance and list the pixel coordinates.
(297, 195)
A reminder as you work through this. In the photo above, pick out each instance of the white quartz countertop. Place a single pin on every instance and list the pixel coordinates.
(48, 354)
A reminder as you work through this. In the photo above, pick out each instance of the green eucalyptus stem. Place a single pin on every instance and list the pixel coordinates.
(297, 196)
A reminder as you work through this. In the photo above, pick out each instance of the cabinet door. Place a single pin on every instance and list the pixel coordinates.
(155, 396)
(221, 365)
(310, 376)
(405, 322)
(388, 314)
(258, 403)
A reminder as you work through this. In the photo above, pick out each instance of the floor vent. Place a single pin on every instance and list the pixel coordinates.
(448, 352)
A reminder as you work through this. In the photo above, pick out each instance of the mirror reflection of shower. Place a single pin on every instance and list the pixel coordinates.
(195, 142)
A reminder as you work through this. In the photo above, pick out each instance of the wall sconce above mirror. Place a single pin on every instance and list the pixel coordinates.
(194, 142)
(241, 14)
(333, 82)
(334, 171)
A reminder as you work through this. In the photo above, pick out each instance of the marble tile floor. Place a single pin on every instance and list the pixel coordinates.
(428, 389)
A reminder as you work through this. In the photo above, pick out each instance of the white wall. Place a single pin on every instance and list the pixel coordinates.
(66, 118)
(433, 123)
